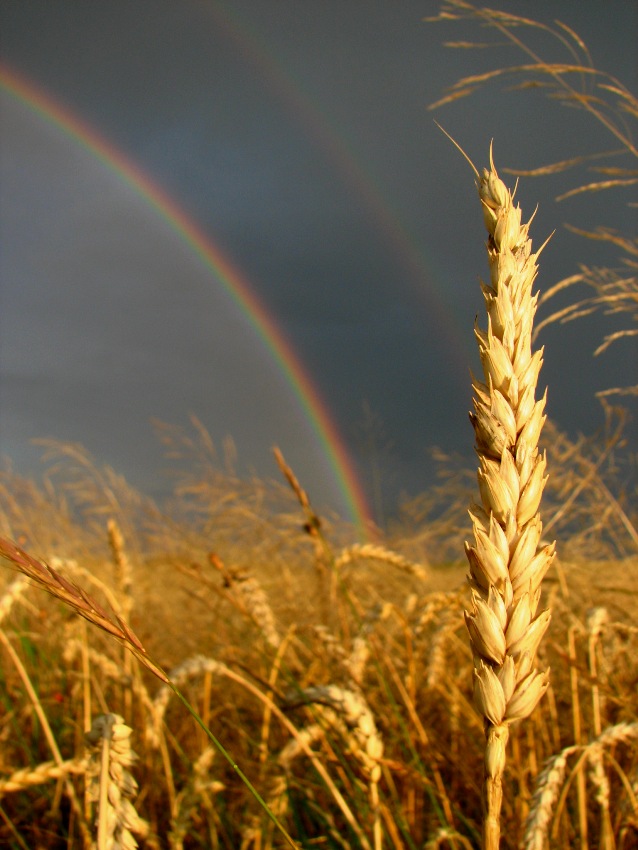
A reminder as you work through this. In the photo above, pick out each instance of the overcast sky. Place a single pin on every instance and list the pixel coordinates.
(296, 137)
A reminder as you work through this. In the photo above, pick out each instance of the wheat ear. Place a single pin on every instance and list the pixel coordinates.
(27, 777)
(112, 785)
(506, 563)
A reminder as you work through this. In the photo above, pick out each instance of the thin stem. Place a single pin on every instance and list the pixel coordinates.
(231, 761)
(497, 737)
(46, 728)
(580, 780)
(102, 825)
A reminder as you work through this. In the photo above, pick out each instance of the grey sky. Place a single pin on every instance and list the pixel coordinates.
(297, 137)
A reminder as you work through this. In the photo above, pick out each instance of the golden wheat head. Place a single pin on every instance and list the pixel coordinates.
(507, 562)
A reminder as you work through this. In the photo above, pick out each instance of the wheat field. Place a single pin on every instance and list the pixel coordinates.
(246, 673)
(338, 675)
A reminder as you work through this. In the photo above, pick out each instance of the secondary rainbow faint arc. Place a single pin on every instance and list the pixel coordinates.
(224, 269)
(320, 130)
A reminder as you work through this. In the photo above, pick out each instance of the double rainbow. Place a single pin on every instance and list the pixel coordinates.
(225, 272)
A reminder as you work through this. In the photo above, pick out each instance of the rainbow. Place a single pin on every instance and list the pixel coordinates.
(225, 271)
(286, 87)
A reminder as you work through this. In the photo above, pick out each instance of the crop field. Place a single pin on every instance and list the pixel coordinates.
(233, 669)
(337, 675)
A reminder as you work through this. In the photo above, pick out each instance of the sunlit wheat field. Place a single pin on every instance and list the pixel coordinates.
(305, 652)
(231, 668)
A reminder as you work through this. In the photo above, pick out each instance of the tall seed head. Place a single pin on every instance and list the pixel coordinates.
(506, 563)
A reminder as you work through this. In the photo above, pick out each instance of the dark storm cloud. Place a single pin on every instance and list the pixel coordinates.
(297, 137)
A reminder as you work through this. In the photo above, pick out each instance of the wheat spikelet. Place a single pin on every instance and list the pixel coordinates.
(70, 566)
(379, 553)
(329, 642)
(339, 704)
(277, 803)
(250, 598)
(112, 785)
(507, 563)
(597, 619)
(347, 713)
(357, 660)
(447, 836)
(447, 623)
(74, 648)
(600, 781)
(300, 744)
(621, 733)
(41, 773)
(548, 786)
(354, 661)
(550, 781)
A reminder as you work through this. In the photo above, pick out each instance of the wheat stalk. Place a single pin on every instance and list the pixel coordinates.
(507, 564)
(112, 785)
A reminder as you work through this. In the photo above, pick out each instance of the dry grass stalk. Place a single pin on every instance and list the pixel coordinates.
(324, 557)
(507, 564)
(48, 734)
(77, 598)
(112, 784)
(313, 525)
